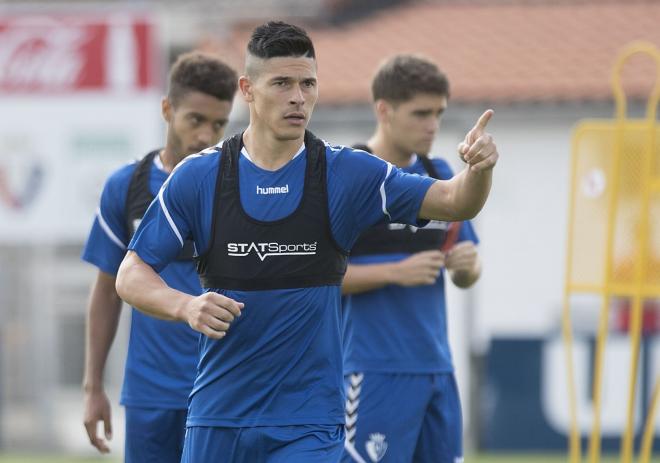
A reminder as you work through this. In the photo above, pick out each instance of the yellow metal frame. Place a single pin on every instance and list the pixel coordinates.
(638, 290)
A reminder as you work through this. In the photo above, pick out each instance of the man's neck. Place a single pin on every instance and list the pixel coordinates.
(268, 152)
(388, 151)
(168, 159)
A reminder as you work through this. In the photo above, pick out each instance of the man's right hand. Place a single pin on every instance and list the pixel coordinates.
(211, 314)
(97, 408)
(422, 268)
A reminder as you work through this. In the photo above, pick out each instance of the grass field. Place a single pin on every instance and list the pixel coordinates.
(518, 458)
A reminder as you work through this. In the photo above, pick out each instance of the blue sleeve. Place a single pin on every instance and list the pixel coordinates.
(466, 232)
(374, 191)
(107, 241)
(403, 196)
(174, 215)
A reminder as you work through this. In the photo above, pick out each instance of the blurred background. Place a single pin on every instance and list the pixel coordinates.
(80, 90)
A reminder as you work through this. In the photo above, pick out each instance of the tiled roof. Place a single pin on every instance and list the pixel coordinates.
(513, 52)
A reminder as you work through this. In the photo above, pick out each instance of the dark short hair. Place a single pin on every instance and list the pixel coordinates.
(201, 72)
(402, 77)
(277, 39)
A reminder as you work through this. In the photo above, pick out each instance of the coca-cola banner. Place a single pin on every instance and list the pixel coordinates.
(79, 96)
(67, 54)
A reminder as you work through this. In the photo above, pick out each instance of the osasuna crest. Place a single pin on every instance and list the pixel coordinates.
(376, 447)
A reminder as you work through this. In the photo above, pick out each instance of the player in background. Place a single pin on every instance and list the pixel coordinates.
(402, 401)
(162, 356)
(273, 213)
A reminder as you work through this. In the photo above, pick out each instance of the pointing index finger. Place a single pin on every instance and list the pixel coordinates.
(484, 119)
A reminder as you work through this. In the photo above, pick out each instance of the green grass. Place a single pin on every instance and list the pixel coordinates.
(56, 459)
(498, 458)
(538, 458)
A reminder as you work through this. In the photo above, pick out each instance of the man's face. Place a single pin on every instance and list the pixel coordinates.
(412, 125)
(282, 93)
(196, 122)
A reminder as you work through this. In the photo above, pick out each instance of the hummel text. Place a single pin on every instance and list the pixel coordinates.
(273, 190)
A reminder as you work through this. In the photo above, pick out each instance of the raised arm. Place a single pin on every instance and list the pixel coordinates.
(462, 197)
(139, 285)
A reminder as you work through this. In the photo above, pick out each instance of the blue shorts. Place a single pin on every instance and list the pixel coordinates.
(401, 417)
(154, 435)
(264, 444)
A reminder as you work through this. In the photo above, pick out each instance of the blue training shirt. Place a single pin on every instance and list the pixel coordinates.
(396, 328)
(281, 360)
(162, 355)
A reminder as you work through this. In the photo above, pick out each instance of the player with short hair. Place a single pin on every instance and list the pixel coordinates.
(162, 356)
(402, 401)
(273, 212)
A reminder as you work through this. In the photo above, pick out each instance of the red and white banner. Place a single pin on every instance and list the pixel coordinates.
(61, 54)
(79, 96)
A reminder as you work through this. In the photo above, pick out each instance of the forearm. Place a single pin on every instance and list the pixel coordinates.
(458, 199)
(362, 278)
(466, 278)
(103, 311)
(140, 286)
(472, 191)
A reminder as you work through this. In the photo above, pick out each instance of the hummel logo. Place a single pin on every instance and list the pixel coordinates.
(264, 250)
(352, 403)
(273, 190)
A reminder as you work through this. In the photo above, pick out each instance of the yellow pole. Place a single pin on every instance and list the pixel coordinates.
(575, 452)
(637, 290)
(642, 235)
(647, 439)
(636, 317)
(603, 321)
(594, 441)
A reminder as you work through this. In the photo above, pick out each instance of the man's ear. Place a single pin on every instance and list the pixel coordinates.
(383, 110)
(246, 88)
(166, 109)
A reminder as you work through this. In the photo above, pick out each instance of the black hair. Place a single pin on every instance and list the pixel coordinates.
(279, 39)
(201, 72)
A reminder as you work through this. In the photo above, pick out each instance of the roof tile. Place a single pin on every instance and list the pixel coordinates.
(491, 53)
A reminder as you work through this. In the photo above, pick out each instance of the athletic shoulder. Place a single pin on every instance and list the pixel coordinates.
(345, 157)
(199, 165)
(121, 177)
